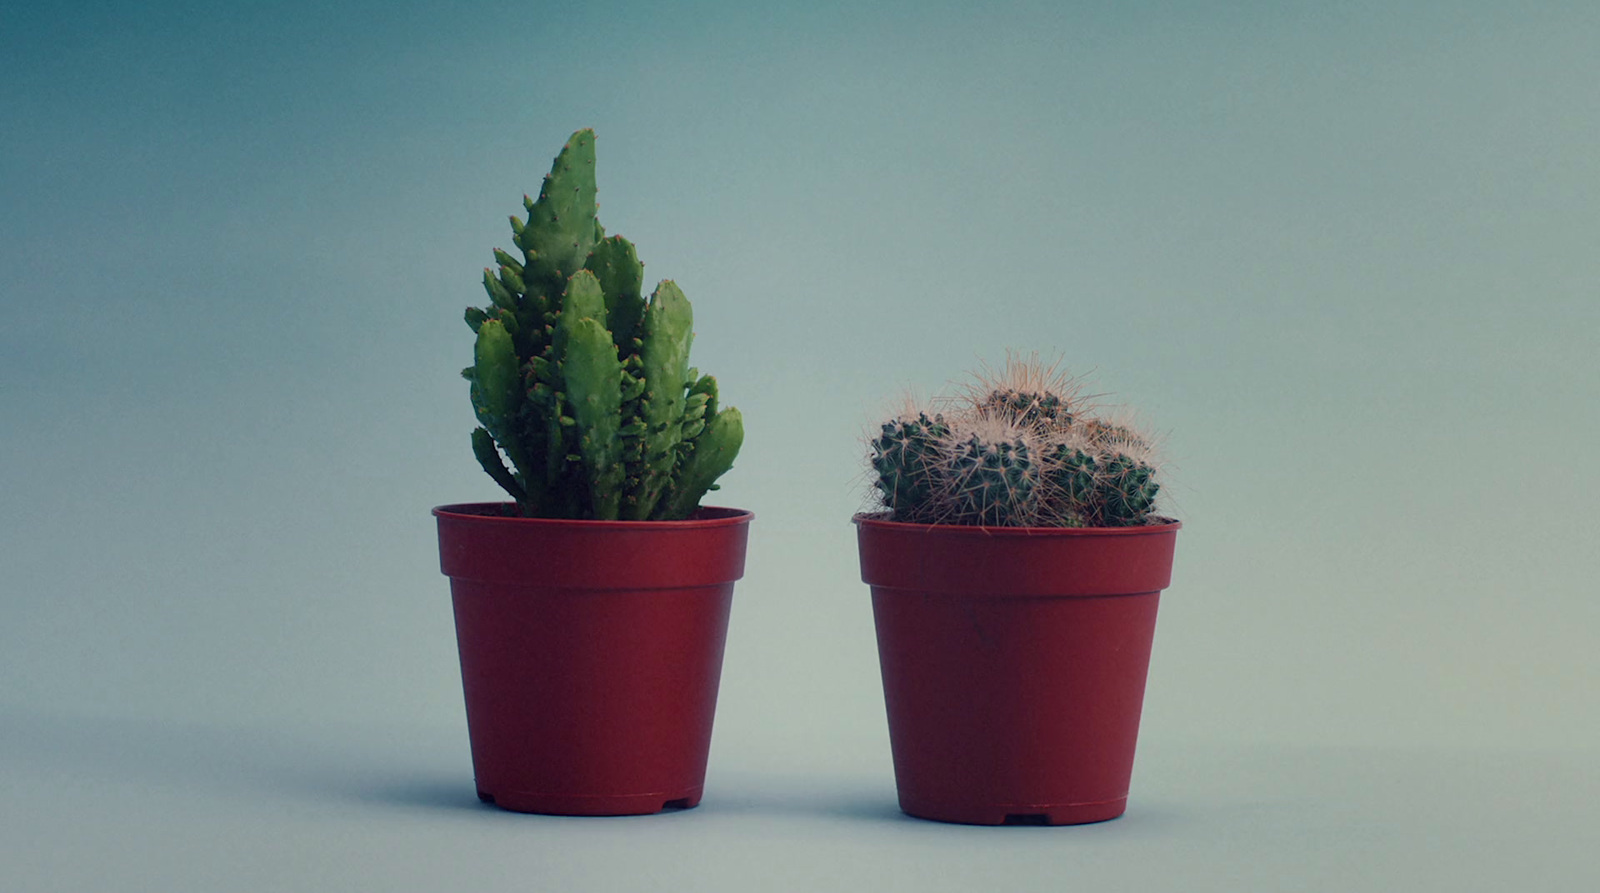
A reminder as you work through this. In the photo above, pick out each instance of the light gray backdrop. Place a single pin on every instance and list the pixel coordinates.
(1344, 256)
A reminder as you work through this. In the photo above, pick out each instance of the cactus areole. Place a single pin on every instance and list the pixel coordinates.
(1015, 572)
(586, 403)
(590, 613)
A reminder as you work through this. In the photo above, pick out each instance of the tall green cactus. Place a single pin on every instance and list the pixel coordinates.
(582, 384)
(1016, 451)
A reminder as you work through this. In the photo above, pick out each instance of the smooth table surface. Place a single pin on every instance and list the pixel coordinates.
(130, 805)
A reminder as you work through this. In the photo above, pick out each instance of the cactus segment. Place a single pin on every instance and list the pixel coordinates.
(990, 482)
(499, 295)
(903, 456)
(561, 225)
(707, 385)
(632, 388)
(583, 385)
(593, 377)
(495, 394)
(1076, 476)
(666, 333)
(582, 299)
(1129, 491)
(616, 264)
(1037, 410)
(489, 457)
(496, 384)
(507, 261)
(709, 457)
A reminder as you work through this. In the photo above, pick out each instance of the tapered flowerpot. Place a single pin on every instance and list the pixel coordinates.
(590, 653)
(1014, 663)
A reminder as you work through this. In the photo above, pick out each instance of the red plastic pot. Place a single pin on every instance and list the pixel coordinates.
(590, 653)
(1014, 663)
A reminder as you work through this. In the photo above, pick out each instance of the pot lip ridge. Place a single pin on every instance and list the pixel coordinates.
(880, 520)
(707, 516)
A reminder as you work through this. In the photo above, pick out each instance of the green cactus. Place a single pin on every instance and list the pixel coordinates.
(582, 385)
(1014, 451)
(903, 456)
(1076, 484)
(666, 332)
(1127, 491)
(1104, 489)
(1034, 409)
(991, 481)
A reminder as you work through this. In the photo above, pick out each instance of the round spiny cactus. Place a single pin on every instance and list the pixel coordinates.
(1026, 392)
(1075, 482)
(902, 455)
(1128, 491)
(1100, 488)
(1015, 450)
(1035, 409)
(988, 478)
(1114, 436)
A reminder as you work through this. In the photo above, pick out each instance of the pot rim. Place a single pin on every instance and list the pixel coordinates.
(707, 516)
(881, 520)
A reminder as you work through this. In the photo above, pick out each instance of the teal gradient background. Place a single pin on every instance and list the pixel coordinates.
(1343, 255)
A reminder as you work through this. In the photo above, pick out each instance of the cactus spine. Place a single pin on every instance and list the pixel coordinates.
(578, 381)
(1015, 450)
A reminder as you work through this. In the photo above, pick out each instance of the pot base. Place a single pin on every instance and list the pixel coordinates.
(579, 804)
(1015, 813)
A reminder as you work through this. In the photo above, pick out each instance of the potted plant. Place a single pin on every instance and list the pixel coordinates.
(590, 610)
(1015, 571)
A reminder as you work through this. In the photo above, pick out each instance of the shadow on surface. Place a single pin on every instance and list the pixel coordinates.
(856, 805)
(859, 798)
(410, 769)
(309, 763)
(874, 809)
(449, 794)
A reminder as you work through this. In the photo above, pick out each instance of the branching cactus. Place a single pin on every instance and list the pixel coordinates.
(1015, 450)
(587, 404)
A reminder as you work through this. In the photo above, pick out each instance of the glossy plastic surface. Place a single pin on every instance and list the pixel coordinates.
(1014, 664)
(590, 654)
